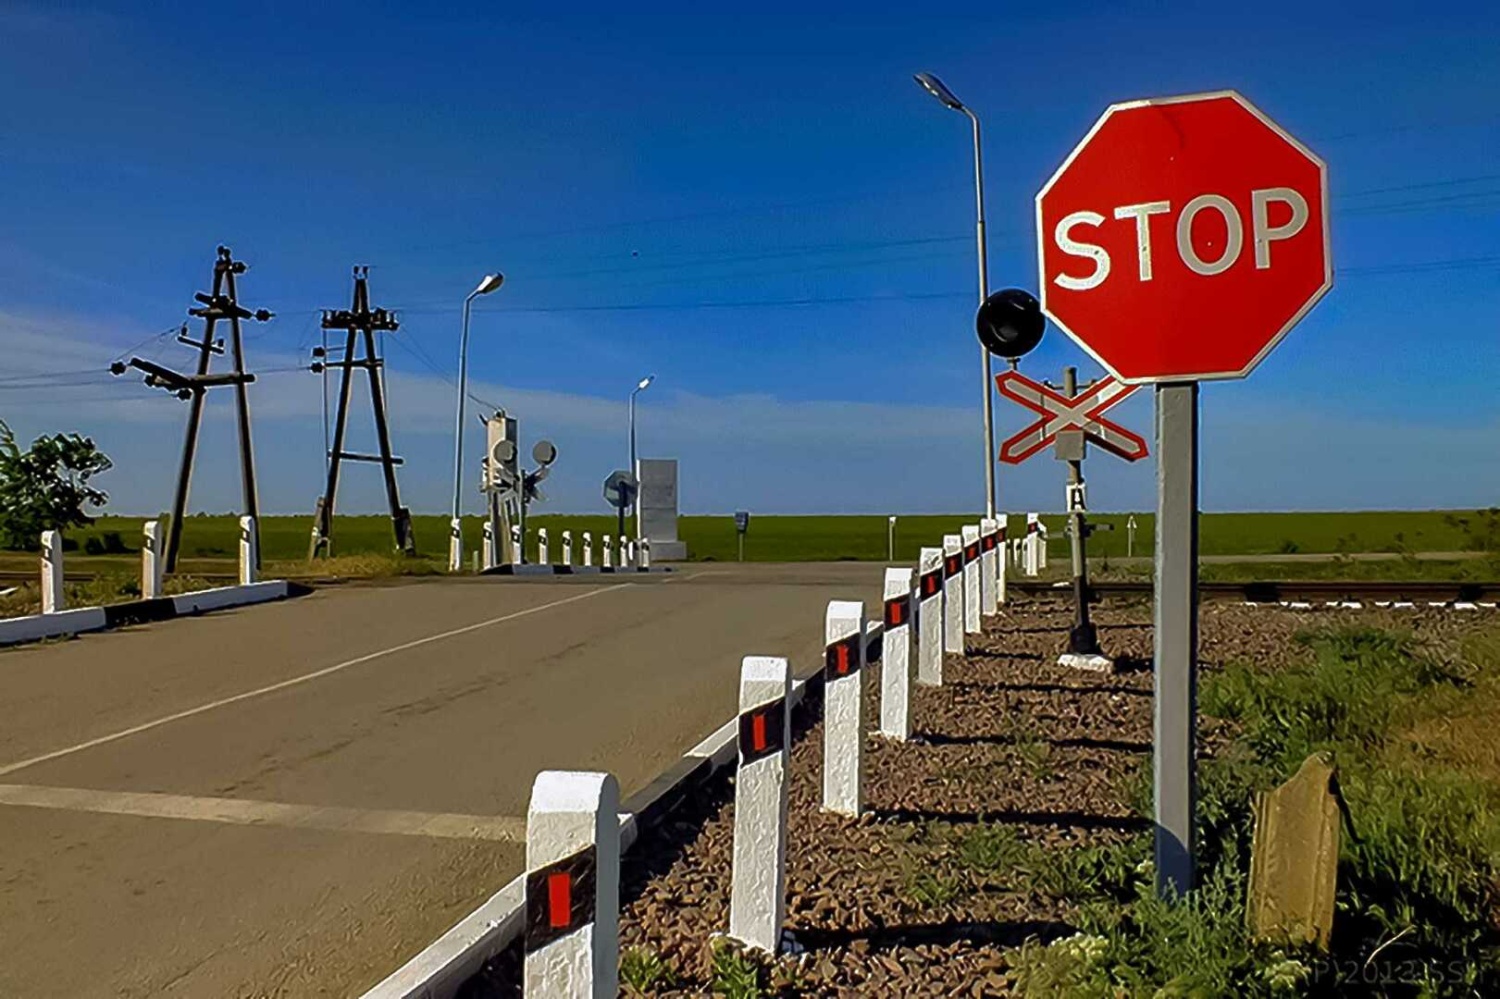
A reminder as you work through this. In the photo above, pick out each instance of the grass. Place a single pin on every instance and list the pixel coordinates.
(734, 975)
(1418, 906)
(643, 972)
(831, 538)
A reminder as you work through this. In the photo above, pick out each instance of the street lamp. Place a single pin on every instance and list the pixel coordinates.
(635, 507)
(455, 538)
(936, 88)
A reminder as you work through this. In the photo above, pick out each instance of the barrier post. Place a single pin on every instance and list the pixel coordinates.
(588, 548)
(248, 557)
(930, 617)
(151, 565)
(490, 561)
(541, 546)
(895, 657)
(572, 932)
(455, 545)
(608, 546)
(645, 553)
(567, 542)
(52, 572)
(991, 565)
(757, 899)
(843, 708)
(971, 578)
(517, 548)
(953, 593)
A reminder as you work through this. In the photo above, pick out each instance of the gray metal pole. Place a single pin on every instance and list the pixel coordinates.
(1083, 640)
(635, 508)
(458, 420)
(1175, 631)
(984, 353)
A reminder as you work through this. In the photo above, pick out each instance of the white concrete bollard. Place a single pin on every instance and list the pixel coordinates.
(517, 545)
(52, 572)
(247, 551)
(645, 554)
(757, 899)
(572, 933)
(567, 558)
(541, 546)
(930, 617)
(1030, 556)
(455, 545)
(990, 566)
(844, 708)
(490, 561)
(1041, 530)
(623, 552)
(151, 561)
(474, 564)
(1002, 545)
(971, 579)
(953, 593)
(588, 548)
(608, 546)
(895, 657)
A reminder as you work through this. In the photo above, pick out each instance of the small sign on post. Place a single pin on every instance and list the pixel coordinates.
(843, 708)
(151, 561)
(953, 593)
(757, 900)
(572, 939)
(930, 617)
(52, 572)
(895, 657)
(741, 528)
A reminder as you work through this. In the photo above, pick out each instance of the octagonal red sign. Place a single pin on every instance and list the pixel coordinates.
(1183, 238)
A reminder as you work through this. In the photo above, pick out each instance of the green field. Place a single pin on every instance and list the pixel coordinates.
(819, 538)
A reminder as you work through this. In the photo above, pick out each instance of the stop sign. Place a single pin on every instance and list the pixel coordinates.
(1183, 237)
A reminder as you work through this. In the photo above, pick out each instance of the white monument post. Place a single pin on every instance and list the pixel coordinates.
(567, 543)
(843, 708)
(971, 579)
(247, 551)
(52, 572)
(895, 657)
(990, 566)
(757, 900)
(930, 617)
(490, 561)
(588, 548)
(151, 561)
(572, 932)
(608, 546)
(953, 593)
(541, 546)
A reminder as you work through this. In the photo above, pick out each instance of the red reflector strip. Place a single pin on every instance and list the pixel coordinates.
(953, 565)
(758, 733)
(971, 552)
(559, 900)
(989, 542)
(932, 582)
(896, 612)
(843, 657)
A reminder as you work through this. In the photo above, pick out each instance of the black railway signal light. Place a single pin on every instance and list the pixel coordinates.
(1010, 323)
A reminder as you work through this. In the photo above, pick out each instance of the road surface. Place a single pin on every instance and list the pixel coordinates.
(292, 799)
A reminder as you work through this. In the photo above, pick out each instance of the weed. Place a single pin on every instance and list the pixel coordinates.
(993, 849)
(734, 975)
(644, 971)
(932, 891)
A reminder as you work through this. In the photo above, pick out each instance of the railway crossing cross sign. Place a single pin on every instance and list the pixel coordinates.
(1061, 412)
(1178, 242)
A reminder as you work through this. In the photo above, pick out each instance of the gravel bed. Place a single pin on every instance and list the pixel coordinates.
(889, 905)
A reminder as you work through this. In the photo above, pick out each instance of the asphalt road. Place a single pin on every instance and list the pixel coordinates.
(293, 799)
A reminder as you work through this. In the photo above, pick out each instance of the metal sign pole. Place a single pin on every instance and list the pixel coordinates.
(1175, 631)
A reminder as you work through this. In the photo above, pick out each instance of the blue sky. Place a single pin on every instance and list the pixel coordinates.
(667, 189)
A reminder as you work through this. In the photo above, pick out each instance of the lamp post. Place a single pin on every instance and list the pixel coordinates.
(935, 87)
(455, 539)
(640, 387)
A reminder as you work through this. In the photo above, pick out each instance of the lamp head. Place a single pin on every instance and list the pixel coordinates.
(490, 283)
(936, 88)
(645, 381)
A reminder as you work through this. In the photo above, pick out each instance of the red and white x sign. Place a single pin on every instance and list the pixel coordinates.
(1059, 413)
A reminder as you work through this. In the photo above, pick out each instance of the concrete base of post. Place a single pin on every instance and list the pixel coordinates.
(572, 935)
(843, 708)
(249, 557)
(953, 593)
(53, 601)
(757, 903)
(930, 617)
(1091, 663)
(895, 656)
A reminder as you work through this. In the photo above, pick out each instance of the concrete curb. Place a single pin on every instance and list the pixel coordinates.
(35, 627)
(440, 970)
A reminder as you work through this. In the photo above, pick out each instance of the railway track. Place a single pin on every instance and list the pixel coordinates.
(1301, 590)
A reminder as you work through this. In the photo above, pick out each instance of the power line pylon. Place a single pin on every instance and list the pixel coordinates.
(220, 304)
(361, 324)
